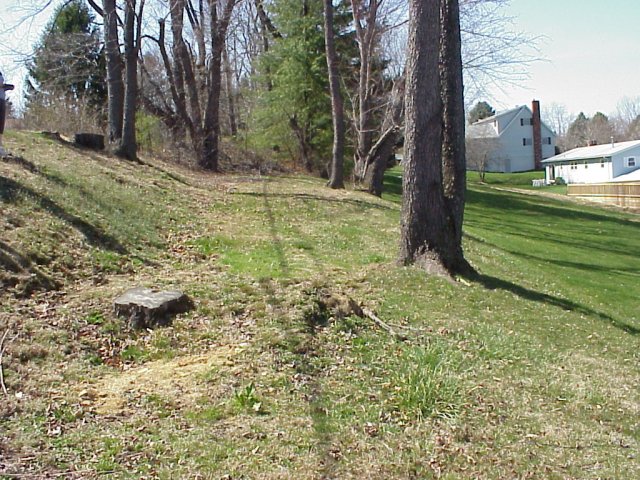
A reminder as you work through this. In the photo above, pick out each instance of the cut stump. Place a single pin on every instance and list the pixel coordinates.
(93, 141)
(148, 308)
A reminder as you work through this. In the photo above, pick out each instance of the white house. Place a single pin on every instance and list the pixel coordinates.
(613, 162)
(515, 140)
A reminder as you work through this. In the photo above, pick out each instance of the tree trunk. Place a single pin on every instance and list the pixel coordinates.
(336, 179)
(113, 61)
(364, 125)
(377, 159)
(303, 143)
(233, 123)
(210, 158)
(426, 236)
(128, 145)
(365, 17)
(454, 167)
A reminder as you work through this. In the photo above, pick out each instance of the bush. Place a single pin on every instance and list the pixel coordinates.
(560, 181)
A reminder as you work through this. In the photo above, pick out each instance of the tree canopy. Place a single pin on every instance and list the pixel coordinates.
(68, 60)
(479, 111)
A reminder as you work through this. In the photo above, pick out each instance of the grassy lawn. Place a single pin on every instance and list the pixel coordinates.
(529, 372)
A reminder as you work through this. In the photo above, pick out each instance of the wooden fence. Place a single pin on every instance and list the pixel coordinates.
(624, 194)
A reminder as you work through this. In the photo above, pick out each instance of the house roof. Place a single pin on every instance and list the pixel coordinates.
(485, 128)
(628, 177)
(595, 151)
(482, 130)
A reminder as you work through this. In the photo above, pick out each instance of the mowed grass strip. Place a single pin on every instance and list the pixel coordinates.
(528, 371)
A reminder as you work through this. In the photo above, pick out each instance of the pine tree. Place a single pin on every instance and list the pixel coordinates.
(68, 62)
(479, 111)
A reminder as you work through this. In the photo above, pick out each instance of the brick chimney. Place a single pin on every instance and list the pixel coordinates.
(537, 135)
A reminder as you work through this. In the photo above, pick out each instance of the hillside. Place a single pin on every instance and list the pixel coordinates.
(528, 371)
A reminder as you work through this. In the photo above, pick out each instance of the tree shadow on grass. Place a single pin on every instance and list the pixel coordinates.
(509, 202)
(11, 191)
(494, 283)
(19, 269)
(306, 196)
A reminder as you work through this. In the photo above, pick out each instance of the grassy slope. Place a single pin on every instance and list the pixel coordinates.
(529, 372)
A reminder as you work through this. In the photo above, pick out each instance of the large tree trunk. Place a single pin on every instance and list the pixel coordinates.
(128, 145)
(426, 235)
(115, 85)
(336, 179)
(454, 167)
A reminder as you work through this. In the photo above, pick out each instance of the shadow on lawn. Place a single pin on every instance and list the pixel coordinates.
(306, 196)
(11, 191)
(507, 202)
(273, 230)
(494, 283)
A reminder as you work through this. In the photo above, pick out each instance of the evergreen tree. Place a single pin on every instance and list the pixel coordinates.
(293, 114)
(479, 111)
(600, 129)
(577, 133)
(68, 61)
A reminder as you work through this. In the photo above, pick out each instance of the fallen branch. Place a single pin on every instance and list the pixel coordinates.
(3, 346)
(375, 319)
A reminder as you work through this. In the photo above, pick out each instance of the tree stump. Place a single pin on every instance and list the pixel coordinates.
(148, 308)
(94, 141)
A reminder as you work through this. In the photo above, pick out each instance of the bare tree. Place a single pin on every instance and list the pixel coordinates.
(381, 153)
(479, 152)
(372, 20)
(495, 55)
(557, 117)
(132, 42)
(195, 73)
(115, 69)
(336, 178)
(627, 120)
(365, 15)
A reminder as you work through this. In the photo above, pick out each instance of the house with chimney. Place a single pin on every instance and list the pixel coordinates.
(514, 140)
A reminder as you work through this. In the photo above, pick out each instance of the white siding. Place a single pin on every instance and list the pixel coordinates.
(519, 156)
(591, 171)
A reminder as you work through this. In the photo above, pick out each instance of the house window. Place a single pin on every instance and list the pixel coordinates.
(527, 141)
(630, 162)
(602, 163)
(526, 121)
(546, 141)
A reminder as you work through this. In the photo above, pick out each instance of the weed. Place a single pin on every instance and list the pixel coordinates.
(423, 383)
(133, 353)
(246, 399)
(95, 318)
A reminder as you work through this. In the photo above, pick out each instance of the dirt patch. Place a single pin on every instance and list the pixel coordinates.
(179, 379)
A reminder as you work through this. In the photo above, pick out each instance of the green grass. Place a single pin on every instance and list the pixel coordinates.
(527, 372)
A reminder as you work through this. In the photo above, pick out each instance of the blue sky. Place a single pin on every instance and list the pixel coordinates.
(590, 51)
